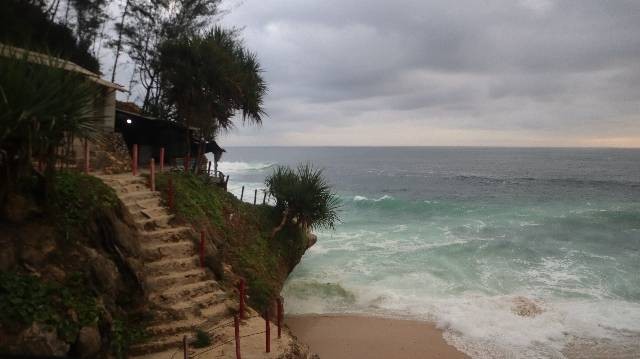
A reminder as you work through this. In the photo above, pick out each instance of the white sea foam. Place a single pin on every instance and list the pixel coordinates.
(236, 167)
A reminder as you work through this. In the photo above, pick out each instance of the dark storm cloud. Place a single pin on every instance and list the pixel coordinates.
(538, 66)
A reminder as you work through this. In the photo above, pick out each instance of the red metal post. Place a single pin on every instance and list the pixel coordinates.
(134, 160)
(152, 176)
(267, 330)
(161, 159)
(170, 194)
(202, 248)
(86, 156)
(185, 348)
(236, 324)
(241, 294)
(279, 304)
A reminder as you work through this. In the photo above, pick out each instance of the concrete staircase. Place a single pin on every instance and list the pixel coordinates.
(185, 296)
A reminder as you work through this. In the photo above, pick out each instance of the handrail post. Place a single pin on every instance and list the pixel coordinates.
(161, 159)
(255, 196)
(152, 176)
(236, 324)
(241, 290)
(185, 348)
(279, 304)
(267, 330)
(134, 160)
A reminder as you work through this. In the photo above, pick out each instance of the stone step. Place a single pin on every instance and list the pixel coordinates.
(176, 327)
(161, 221)
(159, 344)
(221, 310)
(131, 188)
(169, 336)
(177, 278)
(185, 292)
(171, 265)
(133, 197)
(200, 302)
(168, 250)
(149, 203)
(172, 234)
(121, 179)
(144, 213)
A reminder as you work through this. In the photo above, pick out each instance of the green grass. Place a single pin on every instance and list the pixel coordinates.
(244, 230)
(25, 299)
(77, 199)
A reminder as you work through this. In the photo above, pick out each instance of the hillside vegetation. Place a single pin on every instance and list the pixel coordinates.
(240, 233)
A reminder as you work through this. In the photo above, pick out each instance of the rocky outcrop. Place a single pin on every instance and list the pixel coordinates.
(41, 340)
(89, 342)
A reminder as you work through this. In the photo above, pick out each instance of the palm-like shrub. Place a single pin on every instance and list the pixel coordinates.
(303, 195)
(41, 107)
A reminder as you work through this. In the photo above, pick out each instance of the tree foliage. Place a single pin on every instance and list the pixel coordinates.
(304, 195)
(27, 25)
(146, 26)
(210, 77)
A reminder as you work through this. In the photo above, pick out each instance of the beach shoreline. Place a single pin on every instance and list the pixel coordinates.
(339, 336)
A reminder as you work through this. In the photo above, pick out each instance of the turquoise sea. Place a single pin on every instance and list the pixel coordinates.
(514, 252)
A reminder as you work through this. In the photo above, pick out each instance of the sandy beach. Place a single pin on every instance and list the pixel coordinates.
(352, 336)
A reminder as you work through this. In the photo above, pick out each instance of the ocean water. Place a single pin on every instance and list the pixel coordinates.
(514, 253)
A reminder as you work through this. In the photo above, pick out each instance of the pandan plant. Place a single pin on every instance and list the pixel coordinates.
(303, 196)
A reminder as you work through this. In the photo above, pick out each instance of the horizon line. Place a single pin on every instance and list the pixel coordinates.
(445, 146)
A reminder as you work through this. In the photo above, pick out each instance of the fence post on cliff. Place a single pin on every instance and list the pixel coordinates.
(236, 324)
(279, 318)
(86, 155)
(152, 176)
(267, 330)
(255, 196)
(185, 349)
(241, 299)
(134, 160)
(202, 248)
(242, 193)
(264, 198)
(161, 159)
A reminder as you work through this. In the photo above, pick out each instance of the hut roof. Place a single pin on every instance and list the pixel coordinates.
(52, 61)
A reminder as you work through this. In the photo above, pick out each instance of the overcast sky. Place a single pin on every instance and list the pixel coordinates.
(442, 72)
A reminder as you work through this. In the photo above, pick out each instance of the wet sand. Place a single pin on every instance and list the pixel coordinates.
(352, 336)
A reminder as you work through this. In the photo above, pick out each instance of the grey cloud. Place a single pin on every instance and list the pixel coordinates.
(545, 65)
